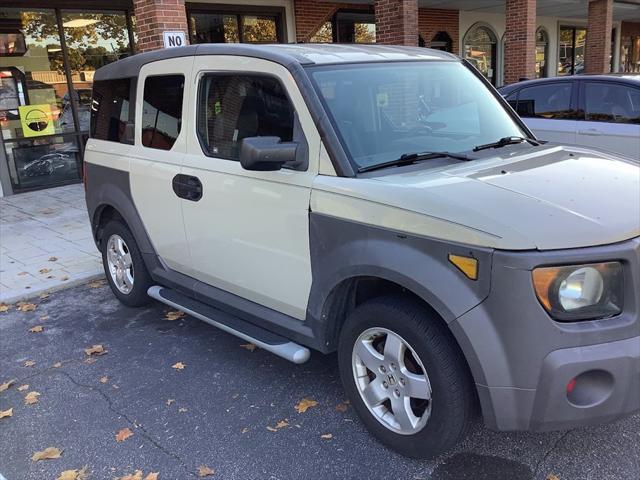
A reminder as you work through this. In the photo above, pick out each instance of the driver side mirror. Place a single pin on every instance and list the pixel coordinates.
(266, 153)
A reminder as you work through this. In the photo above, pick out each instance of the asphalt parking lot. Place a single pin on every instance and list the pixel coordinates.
(217, 409)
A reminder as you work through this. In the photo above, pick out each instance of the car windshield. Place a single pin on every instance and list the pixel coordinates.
(384, 111)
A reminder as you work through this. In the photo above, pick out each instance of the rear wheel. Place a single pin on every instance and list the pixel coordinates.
(406, 376)
(123, 265)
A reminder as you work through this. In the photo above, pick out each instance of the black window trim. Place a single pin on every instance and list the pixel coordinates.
(573, 101)
(582, 94)
(182, 109)
(212, 73)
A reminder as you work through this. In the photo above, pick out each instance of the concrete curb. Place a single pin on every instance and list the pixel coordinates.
(35, 292)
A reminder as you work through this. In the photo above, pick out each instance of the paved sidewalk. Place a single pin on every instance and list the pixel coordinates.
(45, 243)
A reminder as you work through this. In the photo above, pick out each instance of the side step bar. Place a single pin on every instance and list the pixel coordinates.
(260, 337)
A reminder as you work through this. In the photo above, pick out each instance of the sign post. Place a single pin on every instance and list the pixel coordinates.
(174, 39)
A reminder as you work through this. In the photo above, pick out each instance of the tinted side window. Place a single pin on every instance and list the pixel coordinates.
(546, 101)
(610, 102)
(162, 110)
(110, 110)
(232, 107)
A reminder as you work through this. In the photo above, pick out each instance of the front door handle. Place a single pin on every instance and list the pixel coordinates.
(591, 132)
(187, 187)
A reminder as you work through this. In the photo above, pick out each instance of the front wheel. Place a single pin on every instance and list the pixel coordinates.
(123, 265)
(406, 376)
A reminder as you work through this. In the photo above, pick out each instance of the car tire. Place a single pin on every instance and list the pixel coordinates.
(429, 347)
(123, 265)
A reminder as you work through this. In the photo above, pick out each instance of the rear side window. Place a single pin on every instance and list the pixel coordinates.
(551, 101)
(162, 111)
(232, 107)
(111, 110)
(610, 102)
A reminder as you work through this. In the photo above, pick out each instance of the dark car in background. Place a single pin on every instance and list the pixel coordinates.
(601, 111)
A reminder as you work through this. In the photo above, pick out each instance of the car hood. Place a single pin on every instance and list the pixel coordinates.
(542, 198)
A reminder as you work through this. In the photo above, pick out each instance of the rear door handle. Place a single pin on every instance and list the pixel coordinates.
(591, 132)
(187, 187)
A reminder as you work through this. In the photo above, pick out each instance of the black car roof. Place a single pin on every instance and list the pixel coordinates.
(285, 54)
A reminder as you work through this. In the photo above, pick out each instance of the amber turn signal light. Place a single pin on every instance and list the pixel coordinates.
(467, 265)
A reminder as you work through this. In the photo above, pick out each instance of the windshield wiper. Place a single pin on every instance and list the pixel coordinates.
(504, 141)
(411, 158)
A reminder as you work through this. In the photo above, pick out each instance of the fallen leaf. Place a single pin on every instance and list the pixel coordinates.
(174, 315)
(36, 329)
(26, 307)
(104, 379)
(123, 434)
(95, 350)
(342, 407)
(305, 404)
(4, 307)
(170, 401)
(204, 471)
(178, 366)
(326, 436)
(31, 398)
(279, 425)
(248, 346)
(29, 363)
(244, 430)
(6, 413)
(81, 474)
(90, 360)
(46, 454)
(96, 284)
(552, 476)
(44, 317)
(182, 410)
(44, 270)
(57, 365)
(4, 386)
(152, 476)
(22, 274)
(22, 388)
(53, 259)
(137, 475)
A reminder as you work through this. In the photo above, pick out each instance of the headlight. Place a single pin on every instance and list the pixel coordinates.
(580, 292)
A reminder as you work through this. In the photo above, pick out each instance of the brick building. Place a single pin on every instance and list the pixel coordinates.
(49, 50)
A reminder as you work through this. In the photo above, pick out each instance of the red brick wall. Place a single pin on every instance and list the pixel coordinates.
(396, 22)
(598, 43)
(432, 21)
(156, 16)
(520, 40)
(311, 15)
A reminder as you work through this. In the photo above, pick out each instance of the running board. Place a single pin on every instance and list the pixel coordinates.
(260, 337)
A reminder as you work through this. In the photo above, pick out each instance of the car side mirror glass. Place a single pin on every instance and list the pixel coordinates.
(266, 153)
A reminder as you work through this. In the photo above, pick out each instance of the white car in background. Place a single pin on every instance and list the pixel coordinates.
(596, 111)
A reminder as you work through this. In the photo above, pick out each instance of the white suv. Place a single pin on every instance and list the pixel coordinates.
(383, 202)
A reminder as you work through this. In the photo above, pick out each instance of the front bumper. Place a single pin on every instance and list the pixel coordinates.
(523, 361)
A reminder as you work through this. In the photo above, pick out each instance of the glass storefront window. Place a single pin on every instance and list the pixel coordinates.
(43, 162)
(571, 50)
(213, 27)
(45, 93)
(324, 34)
(34, 77)
(93, 39)
(480, 49)
(355, 27)
(542, 52)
